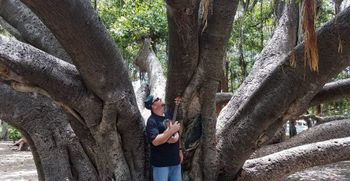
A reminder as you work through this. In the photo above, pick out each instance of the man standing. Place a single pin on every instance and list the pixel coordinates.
(166, 154)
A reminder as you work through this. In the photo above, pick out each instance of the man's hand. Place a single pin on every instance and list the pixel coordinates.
(167, 134)
(174, 138)
(174, 127)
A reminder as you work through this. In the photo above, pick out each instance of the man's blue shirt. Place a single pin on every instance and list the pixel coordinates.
(165, 154)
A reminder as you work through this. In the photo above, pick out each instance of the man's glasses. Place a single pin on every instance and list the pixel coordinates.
(155, 100)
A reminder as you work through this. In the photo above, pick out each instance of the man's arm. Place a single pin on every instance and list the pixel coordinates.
(164, 137)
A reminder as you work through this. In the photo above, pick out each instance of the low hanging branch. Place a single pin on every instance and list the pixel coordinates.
(310, 39)
(273, 167)
(322, 132)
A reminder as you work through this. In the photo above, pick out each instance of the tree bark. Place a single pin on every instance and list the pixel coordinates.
(323, 132)
(183, 47)
(148, 62)
(238, 123)
(10, 29)
(332, 91)
(78, 29)
(337, 5)
(223, 97)
(34, 70)
(49, 135)
(272, 167)
(196, 54)
(31, 29)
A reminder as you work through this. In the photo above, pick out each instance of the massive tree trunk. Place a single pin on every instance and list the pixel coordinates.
(101, 106)
(238, 113)
(58, 154)
(117, 128)
(200, 49)
(253, 118)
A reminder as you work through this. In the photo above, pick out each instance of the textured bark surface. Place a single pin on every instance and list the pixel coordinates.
(99, 96)
(77, 28)
(332, 91)
(274, 167)
(183, 46)
(29, 67)
(149, 63)
(57, 152)
(197, 44)
(10, 29)
(323, 132)
(241, 122)
(31, 29)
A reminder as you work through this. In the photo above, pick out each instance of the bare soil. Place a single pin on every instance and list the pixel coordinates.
(16, 165)
(19, 166)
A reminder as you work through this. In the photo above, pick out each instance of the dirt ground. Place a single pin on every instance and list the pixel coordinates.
(16, 165)
(19, 166)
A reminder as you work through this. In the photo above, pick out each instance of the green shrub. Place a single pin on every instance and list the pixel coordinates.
(14, 134)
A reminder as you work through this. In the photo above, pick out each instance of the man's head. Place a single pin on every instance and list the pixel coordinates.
(155, 104)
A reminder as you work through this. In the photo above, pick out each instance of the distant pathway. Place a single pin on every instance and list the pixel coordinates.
(16, 165)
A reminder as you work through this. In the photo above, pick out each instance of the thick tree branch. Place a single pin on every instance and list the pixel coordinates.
(332, 91)
(49, 135)
(76, 26)
(223, 97)
(325, 119)
(32, 30)
(27, 65)
(78, 29)
(237, 123)
(148, 62)
(183, 47)
(273, 167)
(9, 28)
(213, 43)
(322, 132)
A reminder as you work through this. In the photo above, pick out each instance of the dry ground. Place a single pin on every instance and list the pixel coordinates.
(16, 165)
(19, 166)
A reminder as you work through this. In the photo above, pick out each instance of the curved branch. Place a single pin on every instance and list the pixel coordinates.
(49, 135)
(322, 132)
(273, 167)
(30, 27)
(147, 61)
(332, 91)
(12, 30)
(77, 27)
(58, 78)
(268, 101)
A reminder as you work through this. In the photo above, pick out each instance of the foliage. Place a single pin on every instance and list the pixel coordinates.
(129, 21)
(256, 26)
(14, 134)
